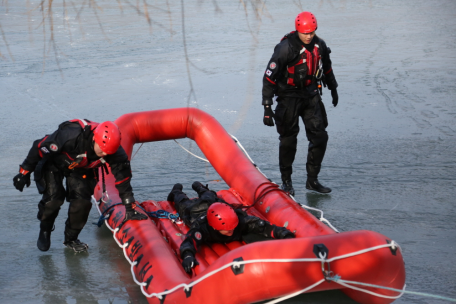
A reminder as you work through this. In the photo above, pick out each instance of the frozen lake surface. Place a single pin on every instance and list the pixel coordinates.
(391, 154)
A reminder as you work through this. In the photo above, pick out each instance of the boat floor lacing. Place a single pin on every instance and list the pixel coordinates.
(321, 218)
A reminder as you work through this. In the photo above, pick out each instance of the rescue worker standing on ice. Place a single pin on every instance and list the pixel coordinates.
(75, 151)
(212, 220)
(298, 67)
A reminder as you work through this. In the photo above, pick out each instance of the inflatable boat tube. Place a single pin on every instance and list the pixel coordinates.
(317, 259)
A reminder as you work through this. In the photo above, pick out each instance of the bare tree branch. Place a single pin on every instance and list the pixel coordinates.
(6, 44)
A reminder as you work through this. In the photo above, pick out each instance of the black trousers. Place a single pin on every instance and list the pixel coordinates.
(313, 114)
(191, 209)
(79, 189)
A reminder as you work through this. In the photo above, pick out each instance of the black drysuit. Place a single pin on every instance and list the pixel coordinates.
(193, 213)
(69, 153)
(299, 97)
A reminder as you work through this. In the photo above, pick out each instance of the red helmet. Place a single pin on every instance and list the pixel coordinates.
(306, 22)
(107, 136)
(221, 216)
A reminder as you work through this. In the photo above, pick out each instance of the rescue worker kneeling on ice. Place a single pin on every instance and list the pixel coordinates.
(211, 220)
(75, 151)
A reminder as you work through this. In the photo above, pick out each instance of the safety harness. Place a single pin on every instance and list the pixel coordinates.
(306, 68)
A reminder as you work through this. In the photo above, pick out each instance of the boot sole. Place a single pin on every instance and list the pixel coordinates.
(312, 189)
(78, 251)
(43, 249)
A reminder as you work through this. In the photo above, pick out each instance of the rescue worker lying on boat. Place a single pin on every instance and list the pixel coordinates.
(211, 220)
(75, 151)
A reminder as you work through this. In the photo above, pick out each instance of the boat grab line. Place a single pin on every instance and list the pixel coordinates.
(237, 264)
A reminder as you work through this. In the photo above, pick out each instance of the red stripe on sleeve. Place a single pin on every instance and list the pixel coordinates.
(270, 80)
(122, 181)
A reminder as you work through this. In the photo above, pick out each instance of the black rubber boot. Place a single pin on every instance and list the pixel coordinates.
(287, 186)
(44, 238)
(132, 214)
(72, 242)
(314, 184)
(199, 188)
(177, 187)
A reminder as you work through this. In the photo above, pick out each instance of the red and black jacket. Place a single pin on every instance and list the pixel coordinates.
(289, 55)
(202, 233)
(70, 150)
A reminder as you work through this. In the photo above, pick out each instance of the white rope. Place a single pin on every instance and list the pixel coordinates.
(136, 152)
(341, 282)
(190, 152)
(237, 264)
(321, 214)
(393, 245)
(247, 154)
(401, 291)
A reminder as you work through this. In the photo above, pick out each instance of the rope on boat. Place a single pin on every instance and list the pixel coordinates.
(190, 152)
(236, 264)
(346, 284)
(248, 156)
(321, 215)
(136, 152)
(162, 214)
(105, 215)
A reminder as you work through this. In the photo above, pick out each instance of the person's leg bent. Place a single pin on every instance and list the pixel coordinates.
(80, 188)
(49, 206)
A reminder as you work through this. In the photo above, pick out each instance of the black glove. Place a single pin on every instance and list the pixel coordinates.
(283, 233)
(189, 261)
(335, 97)
(21, 180)
(132, 214)
(268, 116)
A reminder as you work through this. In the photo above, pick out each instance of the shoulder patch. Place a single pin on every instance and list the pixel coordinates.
(272, 65)
(53, 147)
(268, 72)
(45, 150)
(198, 235)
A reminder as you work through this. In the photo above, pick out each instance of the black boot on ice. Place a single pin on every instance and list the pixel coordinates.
(177, 187)
(314, 184)
(287, 186)
(77, 246)
(44, 239)
(72, 242)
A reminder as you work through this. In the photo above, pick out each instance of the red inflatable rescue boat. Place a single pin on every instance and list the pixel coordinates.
(358, 262)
